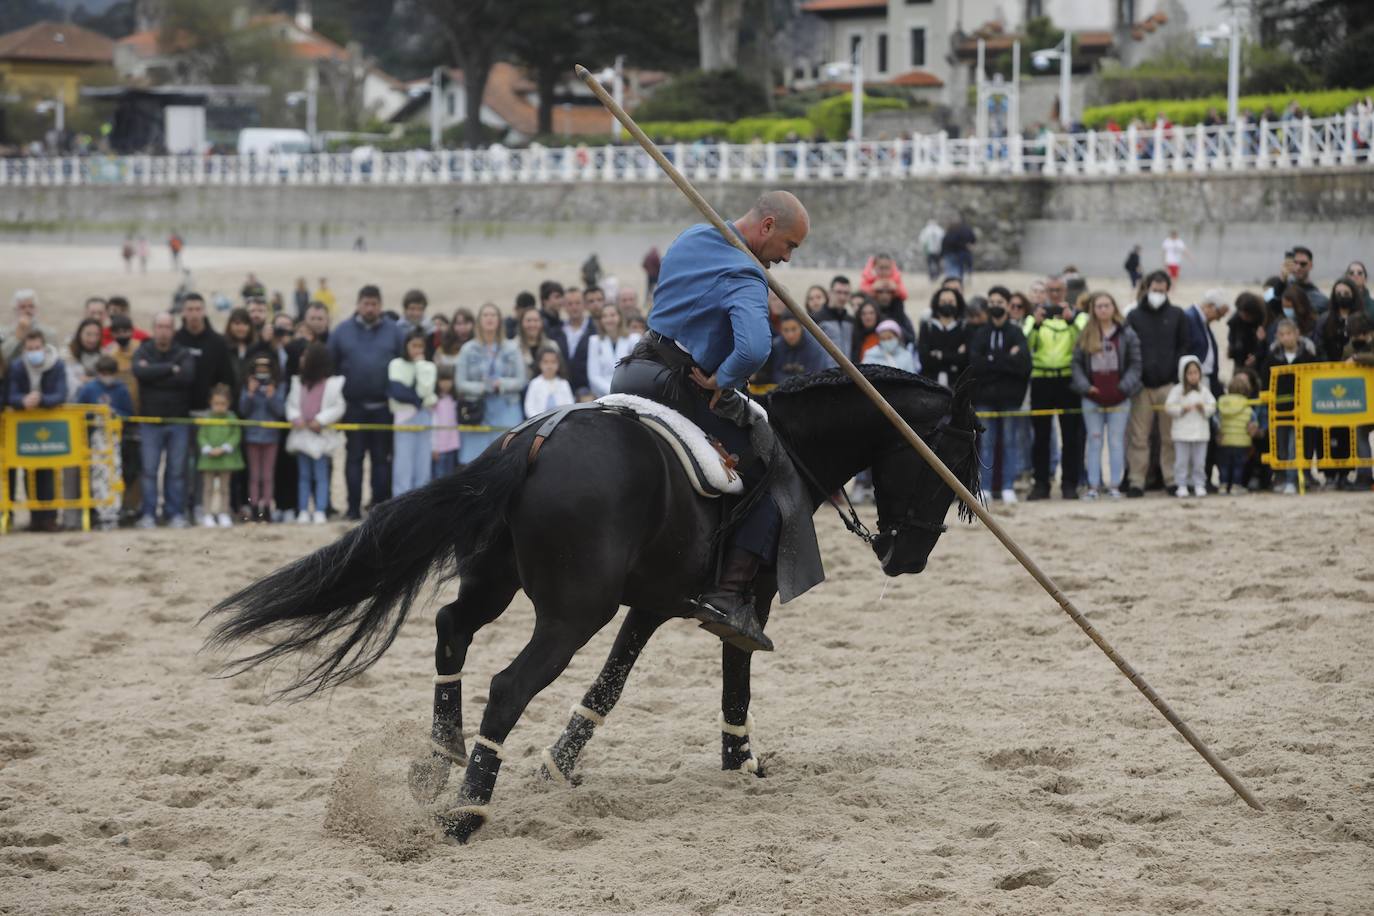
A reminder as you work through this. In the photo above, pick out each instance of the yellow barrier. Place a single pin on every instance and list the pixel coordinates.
(76, 437)
(1321, 399)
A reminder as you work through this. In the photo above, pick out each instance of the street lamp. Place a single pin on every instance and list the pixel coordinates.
(308, 97)
(855, 70)
(1227, 31)
(57, 106)
(1062, 52)
(616, 77)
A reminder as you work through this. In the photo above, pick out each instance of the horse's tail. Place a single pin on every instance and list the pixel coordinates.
(349, 599)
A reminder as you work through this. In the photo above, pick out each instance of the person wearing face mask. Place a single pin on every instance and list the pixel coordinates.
(943, 345)
(37, 380)
(1333, 327)
(889, 351)
(1050, 335)
(1000, 360)
(1163, 331)
(1358, 274)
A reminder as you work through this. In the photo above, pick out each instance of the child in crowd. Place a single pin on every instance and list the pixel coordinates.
(411, 383)
(1191, 405)
(889, 351)
(548, 389)
(107, 389)
(445, 444)
(1289, 348)
(1237, 422)
(315, 402)
(262, 399)
(219, 457)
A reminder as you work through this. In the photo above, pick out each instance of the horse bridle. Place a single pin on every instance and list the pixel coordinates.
(908, 521)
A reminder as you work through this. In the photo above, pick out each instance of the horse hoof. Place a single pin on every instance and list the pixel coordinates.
(428, 777)
(462, 823)
(552, 772)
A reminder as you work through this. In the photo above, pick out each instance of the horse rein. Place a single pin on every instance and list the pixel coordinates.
(851, 520)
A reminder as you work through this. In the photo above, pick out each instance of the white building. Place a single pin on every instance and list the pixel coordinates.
(931, 44)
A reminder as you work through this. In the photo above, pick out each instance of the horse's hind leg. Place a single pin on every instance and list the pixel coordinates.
(480, 601)
(561, 759)
(548, 652)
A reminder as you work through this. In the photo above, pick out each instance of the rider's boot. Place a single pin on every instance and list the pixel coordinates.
(728, 609)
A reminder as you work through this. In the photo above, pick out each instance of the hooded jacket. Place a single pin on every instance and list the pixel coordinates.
(1190, 425)
(1002, 375)
(50, 378)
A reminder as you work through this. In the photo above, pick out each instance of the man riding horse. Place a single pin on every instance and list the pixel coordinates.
(708, 333)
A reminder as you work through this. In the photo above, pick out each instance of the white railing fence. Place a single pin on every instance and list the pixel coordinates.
(1343, 140)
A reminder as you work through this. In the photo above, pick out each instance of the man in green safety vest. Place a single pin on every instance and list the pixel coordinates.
(1051, 333)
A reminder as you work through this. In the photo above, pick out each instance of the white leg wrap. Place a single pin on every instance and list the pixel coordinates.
(590, 715)
(488, 744)
(481, 811)
(447, 754)
(743, 731)
(552, 769)
(441, 679)
(739, 731)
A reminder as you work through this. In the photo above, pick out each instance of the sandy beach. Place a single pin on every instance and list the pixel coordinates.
(944, 743)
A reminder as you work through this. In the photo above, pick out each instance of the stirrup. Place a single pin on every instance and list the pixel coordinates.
(736, 632)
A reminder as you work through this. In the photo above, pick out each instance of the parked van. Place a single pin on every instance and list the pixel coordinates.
(263, 141)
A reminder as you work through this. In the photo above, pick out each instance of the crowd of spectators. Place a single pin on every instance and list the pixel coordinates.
(1064, 378)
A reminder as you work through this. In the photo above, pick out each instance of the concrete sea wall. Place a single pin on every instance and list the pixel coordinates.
(1236, 225)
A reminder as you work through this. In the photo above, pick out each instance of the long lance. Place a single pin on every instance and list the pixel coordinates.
(921, 448)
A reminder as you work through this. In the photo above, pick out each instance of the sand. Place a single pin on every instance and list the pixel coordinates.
(944, 743)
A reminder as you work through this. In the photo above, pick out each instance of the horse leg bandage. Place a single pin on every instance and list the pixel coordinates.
(447, 728)
(736, 747)
(561, 759)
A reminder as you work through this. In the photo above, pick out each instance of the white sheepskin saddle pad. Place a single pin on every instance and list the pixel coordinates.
(703, 464)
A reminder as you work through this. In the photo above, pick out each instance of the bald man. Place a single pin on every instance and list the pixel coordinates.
(708, 333)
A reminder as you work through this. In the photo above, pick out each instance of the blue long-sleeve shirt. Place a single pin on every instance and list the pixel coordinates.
(116, 395)
(713, 299)
(361, 355)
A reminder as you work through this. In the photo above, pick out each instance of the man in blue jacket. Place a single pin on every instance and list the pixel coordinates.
(362, 347)
(38, 380)
(708, 333)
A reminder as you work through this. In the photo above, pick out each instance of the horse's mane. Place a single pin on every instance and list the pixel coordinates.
(830, 378)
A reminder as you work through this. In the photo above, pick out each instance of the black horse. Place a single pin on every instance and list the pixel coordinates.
(603, 517)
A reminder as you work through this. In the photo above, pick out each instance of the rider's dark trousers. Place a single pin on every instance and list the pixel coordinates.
(646, 373)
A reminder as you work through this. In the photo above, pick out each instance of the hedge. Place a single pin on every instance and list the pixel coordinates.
(1192, 111)
(770, 130)
(831, 117)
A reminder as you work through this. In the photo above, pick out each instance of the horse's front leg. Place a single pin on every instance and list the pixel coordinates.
(561, 759)
(737, 750)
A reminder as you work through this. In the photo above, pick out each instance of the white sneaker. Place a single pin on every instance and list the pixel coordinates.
(207, 521)
(1199, 492)
(225, 521)
(146, 522)
(177, 521)
(1181, 492)
(1090, 493)
(319, 519)
(302, 518)
(1290, 489)
(1113, 493)
(286, 516)
(1009, 497)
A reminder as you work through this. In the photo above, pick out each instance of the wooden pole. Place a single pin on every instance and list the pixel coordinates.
(924, 450)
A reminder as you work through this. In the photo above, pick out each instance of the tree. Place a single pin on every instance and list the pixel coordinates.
(718, 24)
(556, 34)
(476, 30)
(1330, 37)
(212, 45)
